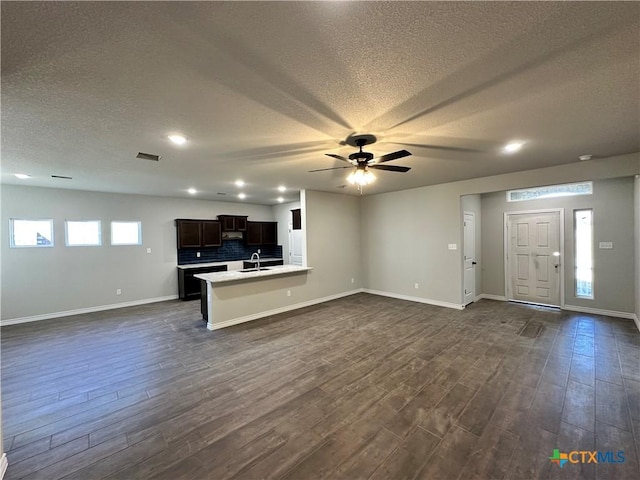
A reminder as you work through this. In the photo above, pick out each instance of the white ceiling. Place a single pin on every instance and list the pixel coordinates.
(263, 89)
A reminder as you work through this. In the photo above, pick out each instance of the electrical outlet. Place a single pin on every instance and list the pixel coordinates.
(453, 246)
(198, 254)
(353, 280)
(288, 293)
(118, 291)
(148, 250)
(416, 286)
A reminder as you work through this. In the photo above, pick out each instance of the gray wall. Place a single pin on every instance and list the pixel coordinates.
(405, 234)
(637, 243)
(612, 204)
(39, 281)
(473, 204)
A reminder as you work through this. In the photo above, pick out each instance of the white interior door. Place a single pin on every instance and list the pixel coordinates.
(469, 257)
(533, 258)
(295, 246)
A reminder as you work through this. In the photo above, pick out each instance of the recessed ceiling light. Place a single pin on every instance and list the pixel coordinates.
(22, 176)
(239, 183)
(513, 147)
(192, 191)
(242, 196)
(177, 139)
(280, 199)
(282, 188)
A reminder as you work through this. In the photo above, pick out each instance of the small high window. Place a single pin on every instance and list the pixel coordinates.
(535, 193)
(126, 233)
(30, 233)
(583, 224)
(83, 233)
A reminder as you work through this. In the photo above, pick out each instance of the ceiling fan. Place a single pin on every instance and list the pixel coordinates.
(364, 162)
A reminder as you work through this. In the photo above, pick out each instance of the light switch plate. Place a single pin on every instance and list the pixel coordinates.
(606, 245)
(453, 246)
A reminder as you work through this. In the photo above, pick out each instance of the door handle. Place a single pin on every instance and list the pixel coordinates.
(473, 263)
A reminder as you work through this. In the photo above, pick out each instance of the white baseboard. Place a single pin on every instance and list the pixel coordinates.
(598, 311)
(3, 465)
(428, 301)
(275, 311)
(489, 296)
(79, 311)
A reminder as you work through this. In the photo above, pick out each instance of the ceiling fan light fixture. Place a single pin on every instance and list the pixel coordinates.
(361, 177)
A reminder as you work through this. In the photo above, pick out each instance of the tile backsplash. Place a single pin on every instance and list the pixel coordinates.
(229, 251)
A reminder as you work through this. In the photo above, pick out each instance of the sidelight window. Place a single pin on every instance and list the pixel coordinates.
(583, 233)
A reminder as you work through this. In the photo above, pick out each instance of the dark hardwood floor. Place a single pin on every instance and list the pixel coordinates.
(361, 387)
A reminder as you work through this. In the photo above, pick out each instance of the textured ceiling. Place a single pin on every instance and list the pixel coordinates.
(263, 89)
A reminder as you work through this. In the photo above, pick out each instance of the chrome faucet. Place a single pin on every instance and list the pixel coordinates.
(257, 255)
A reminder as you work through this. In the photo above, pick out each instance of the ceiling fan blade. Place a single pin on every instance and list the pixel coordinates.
(392, 156)
(390, 168)
(337, 156)
(324, 169)
(441, 147)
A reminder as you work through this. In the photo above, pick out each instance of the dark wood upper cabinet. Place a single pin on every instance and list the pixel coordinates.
(228, 223)
(254, 233)
(262, 233)
(198, 233)
(241, 224)
(233, 223)
(296, 219)
(189, 233)
(269, 233)
(211, 233)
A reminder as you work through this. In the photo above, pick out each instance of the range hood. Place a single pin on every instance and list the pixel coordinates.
(232, 235)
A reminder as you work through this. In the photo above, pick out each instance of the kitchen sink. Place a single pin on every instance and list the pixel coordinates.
(253, 270)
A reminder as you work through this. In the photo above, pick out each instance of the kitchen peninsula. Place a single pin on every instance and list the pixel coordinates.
(272, 285)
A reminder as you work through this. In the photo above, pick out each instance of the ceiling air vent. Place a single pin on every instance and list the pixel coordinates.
(148, 156)
(61, 176)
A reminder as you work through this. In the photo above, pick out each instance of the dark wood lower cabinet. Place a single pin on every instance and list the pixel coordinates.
(188, 285)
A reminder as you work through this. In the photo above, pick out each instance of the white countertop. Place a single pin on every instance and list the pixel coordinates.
(199, 265)
(232, 276)
(214, 264)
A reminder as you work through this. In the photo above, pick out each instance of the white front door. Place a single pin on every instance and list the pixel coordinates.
(469, 257)
(295, 246)
(533, 258)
